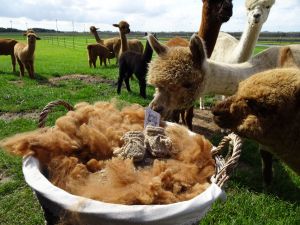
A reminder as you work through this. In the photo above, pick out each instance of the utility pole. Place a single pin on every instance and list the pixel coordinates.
(11, 25)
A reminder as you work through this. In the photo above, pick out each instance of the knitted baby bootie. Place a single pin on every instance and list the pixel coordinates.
(133, 146)
(157, 142)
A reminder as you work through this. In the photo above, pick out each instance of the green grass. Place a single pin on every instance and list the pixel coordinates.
(248, 202)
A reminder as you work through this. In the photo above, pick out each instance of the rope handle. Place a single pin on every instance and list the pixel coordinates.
(224, 167)
(48, 108)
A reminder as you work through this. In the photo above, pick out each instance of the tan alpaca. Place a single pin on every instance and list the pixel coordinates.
(7, 48)
(229, 49)
(24, 54)
(266, 108)
(132, 45)
(110, 43)
(182, 74)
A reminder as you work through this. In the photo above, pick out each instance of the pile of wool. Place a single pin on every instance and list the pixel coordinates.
(78, 155)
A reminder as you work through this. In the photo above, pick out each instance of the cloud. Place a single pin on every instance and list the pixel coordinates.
(143, 15)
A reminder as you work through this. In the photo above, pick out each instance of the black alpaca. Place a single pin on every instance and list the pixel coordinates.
(134, 63)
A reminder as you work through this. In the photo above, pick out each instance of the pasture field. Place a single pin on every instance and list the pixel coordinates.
(59, 75)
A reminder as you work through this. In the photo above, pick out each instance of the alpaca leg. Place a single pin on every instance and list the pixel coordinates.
(122, 74)
(175, 116)
(142, 83)
(94, 62)
(127, 83)
(267, 169)
(189, 114)
(101, 60)
(27, 66)
(104, 60)
(13, 62)
(21, 68)
(31, 69)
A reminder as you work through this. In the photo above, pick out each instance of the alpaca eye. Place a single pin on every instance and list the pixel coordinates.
(268, 7)
(260, 109)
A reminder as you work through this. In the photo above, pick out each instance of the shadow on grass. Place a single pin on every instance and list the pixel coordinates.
(248, 174)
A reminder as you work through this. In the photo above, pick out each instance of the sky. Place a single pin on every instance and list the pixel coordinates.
(142, 15)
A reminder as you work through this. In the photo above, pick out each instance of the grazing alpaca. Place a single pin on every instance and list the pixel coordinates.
(229, 49)
(182, 74)
(95, 50)
(24, 54)
(266, 108)
(7, 48)
(133, 62)
(133, 45)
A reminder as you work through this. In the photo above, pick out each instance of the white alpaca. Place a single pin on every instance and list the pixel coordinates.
(181, 75)
(228, 49)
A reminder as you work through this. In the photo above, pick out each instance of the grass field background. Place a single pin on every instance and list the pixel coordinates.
(248, 202)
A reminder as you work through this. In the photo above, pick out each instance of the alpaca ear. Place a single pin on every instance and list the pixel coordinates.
(197, 48)
(159, 48)
(116, 25)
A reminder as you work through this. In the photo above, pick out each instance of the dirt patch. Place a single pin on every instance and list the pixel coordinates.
(203, 123)
(18, 115)
(88, 79)
(4, 178)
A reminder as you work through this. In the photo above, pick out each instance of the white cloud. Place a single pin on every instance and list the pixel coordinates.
(143, 15)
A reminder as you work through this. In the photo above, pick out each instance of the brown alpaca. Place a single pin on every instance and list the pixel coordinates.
(133, 44)
(95, 50)
(214, 14)
(266, 108)
(24, 54)
(7, 48)
(110, 43)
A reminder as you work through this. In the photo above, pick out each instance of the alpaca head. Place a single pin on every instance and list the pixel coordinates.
(177, 74)
(93, 29)
(29, 30)
(32, 37)
(265, 107)
(123, 27)
(258, 11)
(220, 10)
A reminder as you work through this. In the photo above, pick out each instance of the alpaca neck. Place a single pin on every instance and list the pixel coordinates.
(124, 44)
(243, 51)
(98, 39)
(223, 78)
(208, 31)
(147, 55)
(30, 48)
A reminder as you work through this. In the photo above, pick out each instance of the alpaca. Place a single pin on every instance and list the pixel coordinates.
(214, 14)
(229, 49)
(133, 62)
(7, 48)
(110, 43)
(95, 50)
(24, 54)
(177, 41)
(124, 45)
(182, 74)
(266, 108)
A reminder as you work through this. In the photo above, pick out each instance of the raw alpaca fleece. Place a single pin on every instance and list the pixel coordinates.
(78, 152)
(266, 108)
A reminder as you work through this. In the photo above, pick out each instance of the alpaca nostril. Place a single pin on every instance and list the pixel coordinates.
(256, 15)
